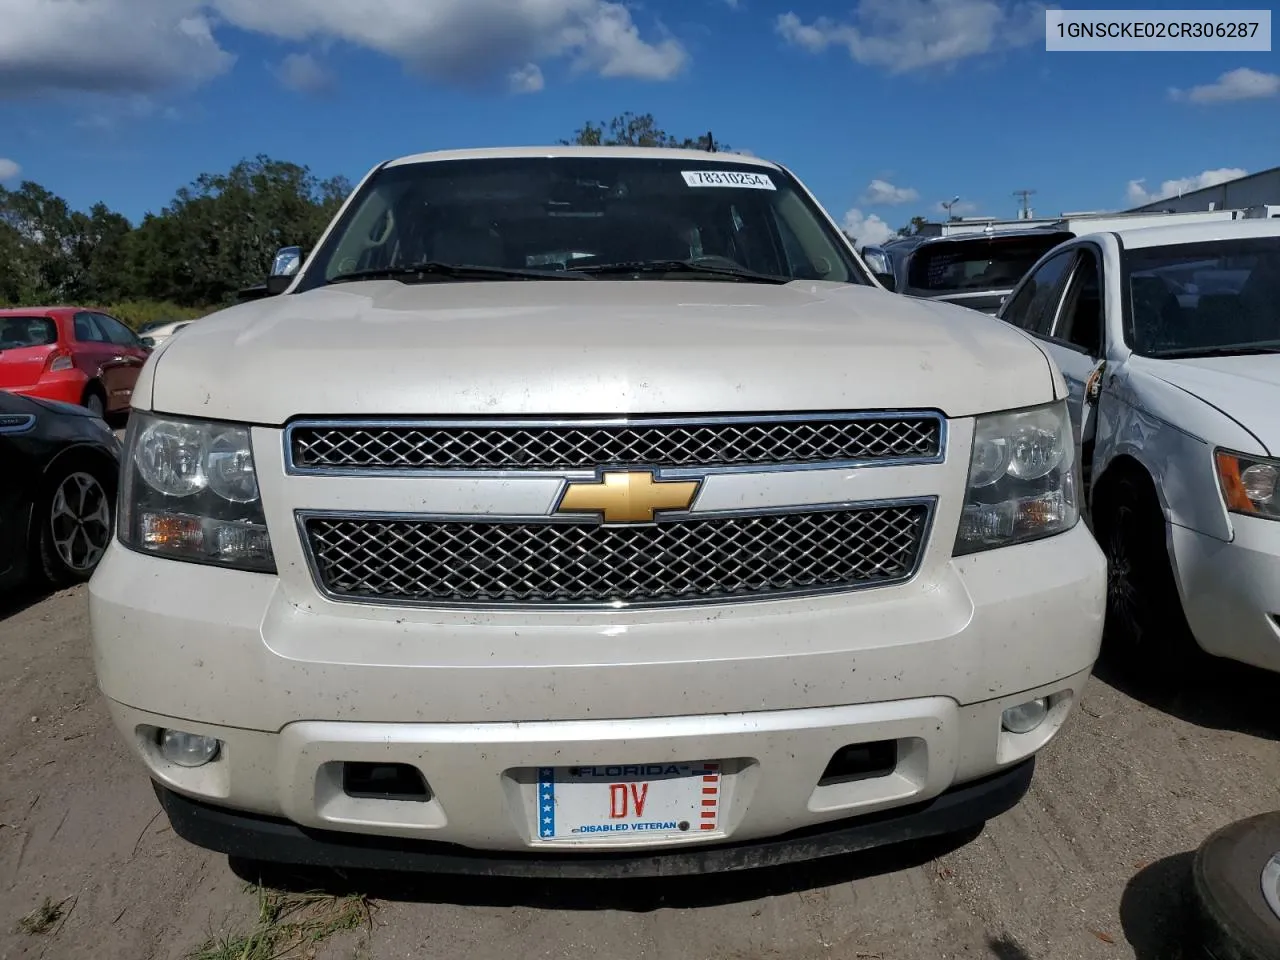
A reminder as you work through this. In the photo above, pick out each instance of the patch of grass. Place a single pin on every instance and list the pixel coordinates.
(42, 918)
(290, 926)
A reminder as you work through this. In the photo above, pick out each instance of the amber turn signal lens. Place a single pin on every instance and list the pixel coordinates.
(1248, 485)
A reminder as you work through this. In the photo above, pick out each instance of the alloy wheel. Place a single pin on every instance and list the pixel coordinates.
(80, 521)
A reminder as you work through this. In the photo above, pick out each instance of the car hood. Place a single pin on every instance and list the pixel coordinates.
(16, 403)
(592, 347)
(1247, 389)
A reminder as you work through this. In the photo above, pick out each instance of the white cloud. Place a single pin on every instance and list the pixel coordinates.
(884, 193)
(304, 73)
(1239, 84)
(106, 46)
(150, 46)
(866, 230)
(1138, 195)
(9, 169)
(528, 79)
(905, 35)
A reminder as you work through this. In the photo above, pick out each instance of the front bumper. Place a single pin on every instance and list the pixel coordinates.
(273, 839)
(1231, 590)
(296, 687)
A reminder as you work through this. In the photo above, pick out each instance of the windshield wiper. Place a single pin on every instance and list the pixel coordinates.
(436, 269)
(679, 266)
(1190, 353)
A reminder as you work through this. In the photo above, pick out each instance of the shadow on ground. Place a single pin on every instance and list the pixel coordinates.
(1213, 693)
(1006, 948)
(15, 600)
(1154, 910)
(635, 895)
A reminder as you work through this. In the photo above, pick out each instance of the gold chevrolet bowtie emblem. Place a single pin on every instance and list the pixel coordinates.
(628, 497)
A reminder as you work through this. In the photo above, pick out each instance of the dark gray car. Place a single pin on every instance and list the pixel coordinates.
(976, 270)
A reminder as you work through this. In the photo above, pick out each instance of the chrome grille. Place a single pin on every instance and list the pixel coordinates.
(582, 445)
(726, 557)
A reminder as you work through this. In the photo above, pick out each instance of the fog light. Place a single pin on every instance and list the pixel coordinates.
(1025, 717)
(187, 749)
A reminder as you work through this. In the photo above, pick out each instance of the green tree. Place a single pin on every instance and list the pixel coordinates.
(219, 233)
(638, 130)
(98, 246)
(912, 228)
(40, 222)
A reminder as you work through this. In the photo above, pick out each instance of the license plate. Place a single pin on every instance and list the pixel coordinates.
(646, 801)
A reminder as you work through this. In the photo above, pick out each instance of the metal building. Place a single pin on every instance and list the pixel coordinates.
(1254, 190)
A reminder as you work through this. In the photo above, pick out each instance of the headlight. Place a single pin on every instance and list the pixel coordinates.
(1022, 479)
(189, 491)
(1250, 485)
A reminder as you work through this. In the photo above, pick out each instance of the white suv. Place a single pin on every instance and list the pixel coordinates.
(583, 510)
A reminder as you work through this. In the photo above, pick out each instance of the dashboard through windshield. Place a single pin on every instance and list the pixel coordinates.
(1211, 298)
(557, 214)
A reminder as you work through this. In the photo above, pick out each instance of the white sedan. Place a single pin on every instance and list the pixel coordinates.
(160, 332)
(1168, 340)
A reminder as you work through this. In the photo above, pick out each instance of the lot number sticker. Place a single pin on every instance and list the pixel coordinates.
(728, 178)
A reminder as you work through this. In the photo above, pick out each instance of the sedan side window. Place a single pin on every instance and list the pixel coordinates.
(1034, 307)
(116, 331)
(88, 331)
(1017, 310)
(1080, 323)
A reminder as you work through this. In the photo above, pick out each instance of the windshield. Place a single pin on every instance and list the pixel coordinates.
(551, 214)
(982, 263)
(17, 332)
(1205, 298)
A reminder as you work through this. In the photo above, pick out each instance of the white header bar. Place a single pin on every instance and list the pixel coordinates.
(1230, 31)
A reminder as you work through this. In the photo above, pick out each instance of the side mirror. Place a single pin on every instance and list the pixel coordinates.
(887, 280)
(148, 342)
(284, 267)
(876, 260)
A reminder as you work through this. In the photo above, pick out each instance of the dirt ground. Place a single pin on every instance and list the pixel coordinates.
(1092, 864)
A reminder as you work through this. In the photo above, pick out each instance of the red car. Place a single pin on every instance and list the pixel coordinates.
(71, 354)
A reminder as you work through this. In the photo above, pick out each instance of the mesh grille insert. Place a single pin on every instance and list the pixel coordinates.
(688, 559)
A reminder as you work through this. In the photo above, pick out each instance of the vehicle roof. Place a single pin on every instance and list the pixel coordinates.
(36, 311)
(983, 234)
(1160, 236)
(918, 241)
(652, 153)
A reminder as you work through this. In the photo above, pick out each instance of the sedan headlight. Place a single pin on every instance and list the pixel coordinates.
(1022, 479)
(189, 491)
(1250, 485)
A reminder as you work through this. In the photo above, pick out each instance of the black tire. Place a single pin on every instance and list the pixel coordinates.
(1232, 919)
(95, 399)
(1146, 629)
(89, 525)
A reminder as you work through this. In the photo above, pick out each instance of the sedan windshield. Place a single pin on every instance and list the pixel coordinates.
(522, 218)
(1205, 299)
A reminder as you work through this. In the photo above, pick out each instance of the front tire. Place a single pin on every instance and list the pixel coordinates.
(1146, 628)
(75, 519)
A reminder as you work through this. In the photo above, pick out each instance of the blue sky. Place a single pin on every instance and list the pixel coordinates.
(884, 107)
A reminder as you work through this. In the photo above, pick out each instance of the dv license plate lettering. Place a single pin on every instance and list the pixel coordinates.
(644, 801)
